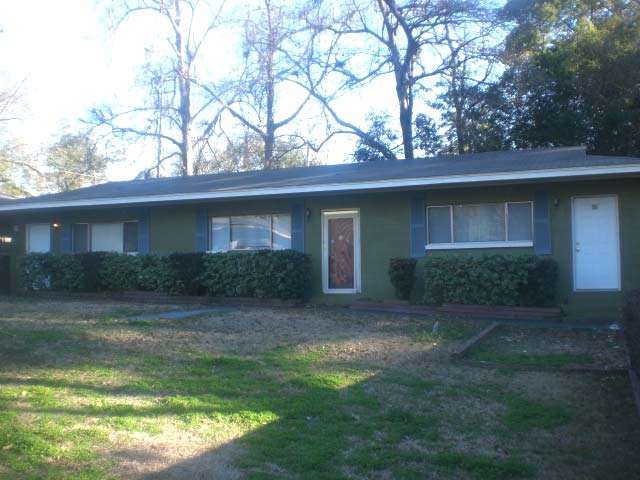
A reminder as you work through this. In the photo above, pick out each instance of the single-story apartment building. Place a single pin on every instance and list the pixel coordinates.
(582, 210)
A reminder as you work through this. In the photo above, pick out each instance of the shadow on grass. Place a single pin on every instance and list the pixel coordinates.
(298, 414)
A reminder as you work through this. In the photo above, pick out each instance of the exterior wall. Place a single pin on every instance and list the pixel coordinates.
(384, 233)
(384, 228)
(602, 306)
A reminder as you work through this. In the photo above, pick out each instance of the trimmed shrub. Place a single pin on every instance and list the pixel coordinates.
(154, 273)
(46, 271)
(402, 274)
(284, 274)
(632, 326)
(91, 262)
(187, 270)
(118, 272)
(490, 280)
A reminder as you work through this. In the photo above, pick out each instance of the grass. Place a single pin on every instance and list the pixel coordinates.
(77, 389)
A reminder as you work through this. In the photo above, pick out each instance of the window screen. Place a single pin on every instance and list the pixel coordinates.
(220, 234)
(479, 223)
(439, 224)
(81, 238)
(251, 232)
(281, 226)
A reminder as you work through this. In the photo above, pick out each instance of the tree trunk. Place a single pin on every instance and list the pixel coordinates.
(270, 131)
(405, 100)
(184, 90)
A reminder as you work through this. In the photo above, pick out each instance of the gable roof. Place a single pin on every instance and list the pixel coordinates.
(490, 167)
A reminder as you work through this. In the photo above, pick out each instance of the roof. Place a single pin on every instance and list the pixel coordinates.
(491, 167)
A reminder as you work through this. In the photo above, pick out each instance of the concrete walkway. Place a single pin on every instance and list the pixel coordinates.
(175, 315)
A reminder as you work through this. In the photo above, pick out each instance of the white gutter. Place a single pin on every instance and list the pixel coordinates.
(339, 187)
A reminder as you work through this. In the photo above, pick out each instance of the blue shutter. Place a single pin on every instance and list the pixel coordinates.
(542, 223)
(202, 230)
(417, 209)
(66, 235)
(297, 226)
(143, 232)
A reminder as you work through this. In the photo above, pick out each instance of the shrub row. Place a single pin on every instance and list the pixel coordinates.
(490, 280)
(632, 326)
(283, 274)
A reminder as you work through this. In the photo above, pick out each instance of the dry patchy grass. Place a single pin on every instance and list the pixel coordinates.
(89, 391)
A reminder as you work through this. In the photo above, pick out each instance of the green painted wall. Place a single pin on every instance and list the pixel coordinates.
(384, 224)
(384, 233)
(171, 229)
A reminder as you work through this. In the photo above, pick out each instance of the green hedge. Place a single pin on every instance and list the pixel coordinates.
(632, 326)
(402, 274)
(283, 274)
(523, 280)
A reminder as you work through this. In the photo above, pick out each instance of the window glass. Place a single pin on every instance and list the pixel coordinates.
(479, 223)
(220, 234)
(81, 238)
(106, 237)
(251, 232)
(281, 225)
(38, 238)
(520, 225)
(439, 224)
(130, 237)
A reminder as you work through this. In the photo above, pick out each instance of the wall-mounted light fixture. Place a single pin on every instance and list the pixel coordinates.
(6, 240)
(55, 225)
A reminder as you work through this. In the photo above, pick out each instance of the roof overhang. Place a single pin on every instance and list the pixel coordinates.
(404, 183)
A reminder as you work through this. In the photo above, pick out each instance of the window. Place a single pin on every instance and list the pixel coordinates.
(481, 225)
(105, 237)
(251, 232)
(81, 238)
(38, 238)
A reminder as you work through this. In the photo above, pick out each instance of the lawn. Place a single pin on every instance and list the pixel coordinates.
(88, 390)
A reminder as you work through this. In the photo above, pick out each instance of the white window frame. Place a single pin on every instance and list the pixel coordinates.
(228, 217)
(28, 236)
(357, 276)
(453, 245)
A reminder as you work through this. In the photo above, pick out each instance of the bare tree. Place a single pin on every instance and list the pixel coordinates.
(274, 36)
(385, 37)
(472, 56)
(173, 110)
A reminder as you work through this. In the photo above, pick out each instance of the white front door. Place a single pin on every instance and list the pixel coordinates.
(596, 246)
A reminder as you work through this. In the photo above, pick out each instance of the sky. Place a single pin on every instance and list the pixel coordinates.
(68, 60)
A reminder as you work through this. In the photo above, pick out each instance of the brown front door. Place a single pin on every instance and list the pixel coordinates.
(341, 253)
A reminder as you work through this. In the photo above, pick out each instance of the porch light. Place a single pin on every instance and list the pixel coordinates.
(5, 240)
(56, 225)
